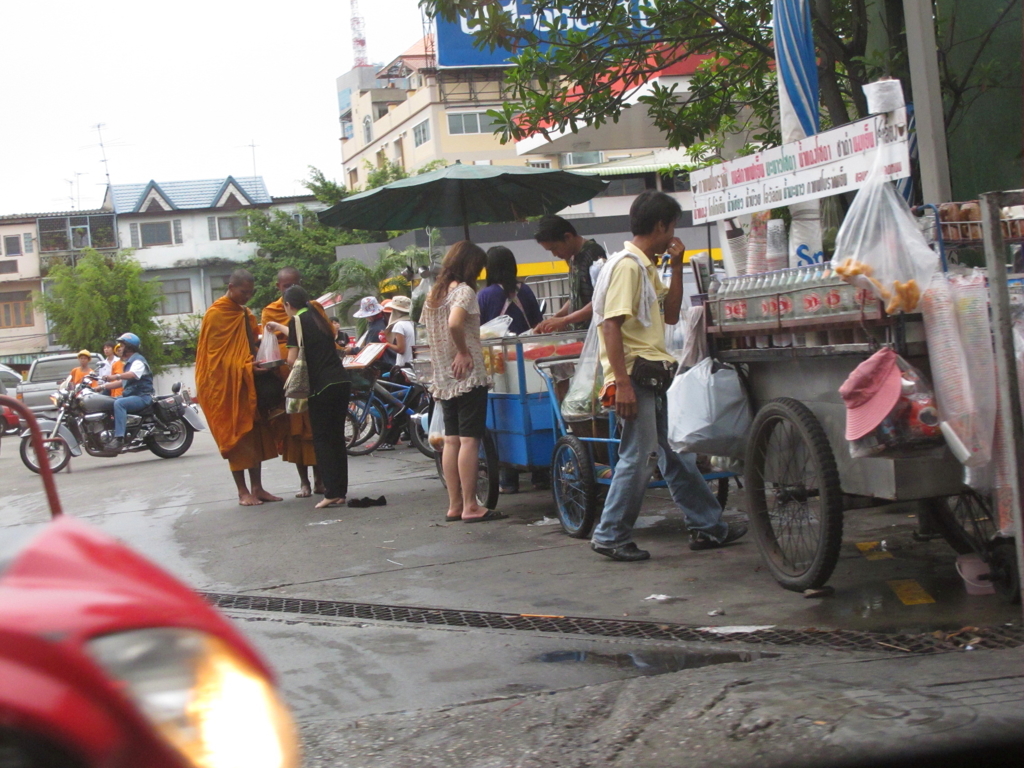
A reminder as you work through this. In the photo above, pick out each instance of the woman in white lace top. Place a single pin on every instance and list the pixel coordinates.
(452, 317)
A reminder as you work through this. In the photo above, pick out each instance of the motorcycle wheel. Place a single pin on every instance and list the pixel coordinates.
(57, 452)
(175, 444)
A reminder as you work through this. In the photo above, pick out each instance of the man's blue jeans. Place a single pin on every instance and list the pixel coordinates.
(640, 439)
(125, 405)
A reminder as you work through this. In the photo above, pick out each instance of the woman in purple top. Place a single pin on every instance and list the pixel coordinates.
(505, 295)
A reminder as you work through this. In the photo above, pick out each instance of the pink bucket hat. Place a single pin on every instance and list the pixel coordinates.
(871, 392)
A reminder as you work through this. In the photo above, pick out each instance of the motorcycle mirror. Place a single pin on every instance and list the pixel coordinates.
(176, 388)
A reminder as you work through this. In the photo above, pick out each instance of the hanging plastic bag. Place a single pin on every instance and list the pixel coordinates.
(578, 404)
(695, 347)
(496, 328)
(435, 433)
(269, 353)
(708, 411)
(296, 405)
(880, 246)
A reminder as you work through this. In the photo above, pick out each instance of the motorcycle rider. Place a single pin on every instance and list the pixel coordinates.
(138, 387)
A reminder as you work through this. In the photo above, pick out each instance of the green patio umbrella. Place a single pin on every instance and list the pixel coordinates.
(463, 195)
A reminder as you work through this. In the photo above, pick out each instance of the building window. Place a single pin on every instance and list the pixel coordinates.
(74, 233)
(155, 233)
(176, 298)
(539, 163)
(367, 129)
(8, 266)
(470, 122)
(580, 158)
(12, 245)
(353, 179)
(226, 227)
(16, 310)
(627, 186)
(421, 133)
(28, 242)
(218, 285)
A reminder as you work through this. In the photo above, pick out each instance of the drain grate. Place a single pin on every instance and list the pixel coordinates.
(837, 639)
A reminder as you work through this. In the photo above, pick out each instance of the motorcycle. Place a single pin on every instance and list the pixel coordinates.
(85, 419)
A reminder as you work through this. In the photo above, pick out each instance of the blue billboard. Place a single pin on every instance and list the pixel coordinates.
(455, 39)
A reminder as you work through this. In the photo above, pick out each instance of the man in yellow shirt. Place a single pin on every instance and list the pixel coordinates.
(632, 305)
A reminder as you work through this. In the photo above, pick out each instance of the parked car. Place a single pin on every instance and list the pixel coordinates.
(45, 376)
(9, 421)
(10, 378)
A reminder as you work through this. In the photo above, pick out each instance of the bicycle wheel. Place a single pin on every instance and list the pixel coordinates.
(965, 521)
(573, 486)
(418, 427)
(794, 501)
(487, 472)
(370, 432)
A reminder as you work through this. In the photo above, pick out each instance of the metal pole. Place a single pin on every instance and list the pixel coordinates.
(922, 52)
(1006, 361)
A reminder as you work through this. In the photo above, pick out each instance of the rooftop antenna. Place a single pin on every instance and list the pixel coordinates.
(75, 190)
(103, 150)
(252, 145)
(358, 37)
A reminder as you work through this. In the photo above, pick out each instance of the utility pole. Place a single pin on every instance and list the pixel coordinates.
(922, 51)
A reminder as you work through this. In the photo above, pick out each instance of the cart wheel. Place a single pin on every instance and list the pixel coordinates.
(573, 486)
(965, 521)
(794, 500)
(1002, 562)
(487, 472)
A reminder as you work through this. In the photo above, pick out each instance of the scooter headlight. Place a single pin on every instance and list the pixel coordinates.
(205, 699)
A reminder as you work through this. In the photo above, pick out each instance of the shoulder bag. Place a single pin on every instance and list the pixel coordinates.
(296, 387)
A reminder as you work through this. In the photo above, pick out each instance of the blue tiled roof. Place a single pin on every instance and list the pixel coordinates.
(189, 194)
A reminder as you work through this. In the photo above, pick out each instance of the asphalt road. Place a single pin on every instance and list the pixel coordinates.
(372, 676)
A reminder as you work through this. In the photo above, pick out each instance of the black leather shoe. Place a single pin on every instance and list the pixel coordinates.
(116, 444)
(628, 553)
(700, 540)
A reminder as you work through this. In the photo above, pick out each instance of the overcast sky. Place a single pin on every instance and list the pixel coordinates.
(181, 88)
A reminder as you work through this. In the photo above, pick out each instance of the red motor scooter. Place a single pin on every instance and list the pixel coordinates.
(107, 660)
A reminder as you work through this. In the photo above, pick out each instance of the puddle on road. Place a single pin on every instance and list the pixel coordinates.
(651, 662)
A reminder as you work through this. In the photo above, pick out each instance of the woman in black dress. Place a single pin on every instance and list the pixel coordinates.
(329, 391)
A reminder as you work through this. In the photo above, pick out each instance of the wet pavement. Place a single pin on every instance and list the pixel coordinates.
(182, 513)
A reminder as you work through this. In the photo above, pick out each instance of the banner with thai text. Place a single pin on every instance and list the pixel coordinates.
(829, 163)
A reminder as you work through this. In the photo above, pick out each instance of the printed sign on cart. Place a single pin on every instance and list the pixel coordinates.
(828, 163)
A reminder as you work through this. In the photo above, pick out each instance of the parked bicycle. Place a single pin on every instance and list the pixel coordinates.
(383, 410)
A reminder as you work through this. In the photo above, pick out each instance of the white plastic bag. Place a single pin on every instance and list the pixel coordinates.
(708, 411)
(269, 351)
(586, 383)
(435, 433)
(496, 328)
(880, 245)
(695, 347)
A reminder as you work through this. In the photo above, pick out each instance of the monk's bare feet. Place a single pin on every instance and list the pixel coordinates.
(473, 512)
(304, 492)
(453, 514)
(319, 488)
(324, 504)
(248, 500)
(264, 495)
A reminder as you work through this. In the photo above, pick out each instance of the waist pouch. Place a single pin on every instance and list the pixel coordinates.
(654, 375)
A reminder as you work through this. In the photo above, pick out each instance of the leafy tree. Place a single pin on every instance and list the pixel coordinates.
(565, 78)
(100, 298)
(326, 190)
(387, 276)
(392, 171)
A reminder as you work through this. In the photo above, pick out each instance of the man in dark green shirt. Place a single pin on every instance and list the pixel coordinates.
(559, 238)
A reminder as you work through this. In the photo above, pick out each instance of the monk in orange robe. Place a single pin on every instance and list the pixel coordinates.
(294, 433)
(225, 383)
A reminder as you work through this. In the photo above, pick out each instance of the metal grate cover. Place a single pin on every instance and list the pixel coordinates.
(837, 639)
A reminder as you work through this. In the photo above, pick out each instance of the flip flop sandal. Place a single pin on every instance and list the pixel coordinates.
(492, 514)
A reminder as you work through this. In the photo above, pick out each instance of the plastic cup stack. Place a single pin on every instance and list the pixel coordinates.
(970, 296)
(777, 255)
(736, 240)
(948, 362)
(757, 244)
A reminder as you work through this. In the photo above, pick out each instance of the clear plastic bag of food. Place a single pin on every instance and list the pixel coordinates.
(880, 246)
(912, 425)
(435, 432)
(269, 353)
(579, 401)
(496, 328)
